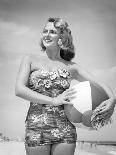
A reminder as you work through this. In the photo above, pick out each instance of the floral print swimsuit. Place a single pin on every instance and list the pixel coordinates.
(47, 124)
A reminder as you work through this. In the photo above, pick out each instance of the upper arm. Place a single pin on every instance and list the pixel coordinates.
(24, 71)
(83, 75)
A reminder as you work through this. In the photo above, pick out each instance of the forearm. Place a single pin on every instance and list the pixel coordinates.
(104, 89)
(32, 96)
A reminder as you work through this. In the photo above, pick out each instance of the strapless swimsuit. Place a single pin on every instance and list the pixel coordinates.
(47, 124)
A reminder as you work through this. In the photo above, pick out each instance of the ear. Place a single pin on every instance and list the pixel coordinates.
(59, 42)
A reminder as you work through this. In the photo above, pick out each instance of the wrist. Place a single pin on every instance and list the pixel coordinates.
(54, 101)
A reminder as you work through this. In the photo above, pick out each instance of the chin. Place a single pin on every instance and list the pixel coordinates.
(48, 44)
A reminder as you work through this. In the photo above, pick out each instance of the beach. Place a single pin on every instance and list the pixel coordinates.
(17, 148)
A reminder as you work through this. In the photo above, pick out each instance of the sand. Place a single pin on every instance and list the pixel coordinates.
(17, 148)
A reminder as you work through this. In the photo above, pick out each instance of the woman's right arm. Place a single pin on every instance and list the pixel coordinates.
(21, 87)
(22, 90)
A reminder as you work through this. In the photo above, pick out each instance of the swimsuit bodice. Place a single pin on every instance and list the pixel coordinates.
(49, 83)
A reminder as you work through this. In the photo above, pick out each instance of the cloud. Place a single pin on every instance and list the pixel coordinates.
(1, 64)
(17, 39)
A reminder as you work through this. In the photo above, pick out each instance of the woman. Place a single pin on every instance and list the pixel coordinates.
(45, 82)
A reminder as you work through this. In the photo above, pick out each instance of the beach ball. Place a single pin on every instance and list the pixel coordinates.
(88, 97)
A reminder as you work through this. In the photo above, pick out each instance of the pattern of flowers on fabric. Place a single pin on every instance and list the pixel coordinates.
(44, 73)
(34, 118)
(35, 137)
(64, 73)
(50, 108)
(62, 113)
(53, 75)
(66, 129)
(57, 133)
(47, 83)
(47, 124)
(40, 118)
(64, 83)
(50, 83)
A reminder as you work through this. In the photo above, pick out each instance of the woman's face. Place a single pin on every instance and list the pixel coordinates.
(50, 35)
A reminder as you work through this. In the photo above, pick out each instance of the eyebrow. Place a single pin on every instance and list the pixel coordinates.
(50, 30)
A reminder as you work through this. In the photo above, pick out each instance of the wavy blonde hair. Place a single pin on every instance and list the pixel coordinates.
(65, 41)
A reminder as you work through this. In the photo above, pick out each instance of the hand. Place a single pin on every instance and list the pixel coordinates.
(65, 97)
(105, 109)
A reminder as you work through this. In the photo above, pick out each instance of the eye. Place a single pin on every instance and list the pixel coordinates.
(45, 31)
(53, 32)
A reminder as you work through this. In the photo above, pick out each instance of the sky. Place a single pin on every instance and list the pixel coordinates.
(93, 26)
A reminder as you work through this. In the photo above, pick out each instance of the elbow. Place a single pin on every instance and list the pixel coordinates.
(18, 90)
(17, 93)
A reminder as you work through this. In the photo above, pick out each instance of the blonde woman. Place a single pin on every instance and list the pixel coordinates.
(45, 82)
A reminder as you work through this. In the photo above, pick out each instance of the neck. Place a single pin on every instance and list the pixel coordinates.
(53, 53)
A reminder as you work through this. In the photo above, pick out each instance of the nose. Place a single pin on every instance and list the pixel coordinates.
(48, 33)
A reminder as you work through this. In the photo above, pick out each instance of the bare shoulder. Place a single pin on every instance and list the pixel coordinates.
(75, 66)
(79, 72)
(78, 68)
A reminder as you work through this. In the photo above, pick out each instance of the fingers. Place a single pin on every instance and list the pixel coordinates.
(104, 114)
(100, 117)
(107, 115)
(72, 97)
(70, 90)
(66, 102)
(105, 109)
(71, 93)
(102, 105)
(69, 98)
(99, 110)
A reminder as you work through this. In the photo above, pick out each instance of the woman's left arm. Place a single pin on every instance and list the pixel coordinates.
(107, 105)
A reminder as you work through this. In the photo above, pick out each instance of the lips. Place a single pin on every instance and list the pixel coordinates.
(47, 40)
